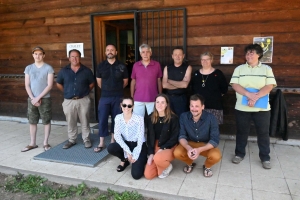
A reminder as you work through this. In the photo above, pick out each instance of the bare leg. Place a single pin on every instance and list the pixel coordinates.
(101, 144)
(33, 129)
(47, 129)
(112, 140)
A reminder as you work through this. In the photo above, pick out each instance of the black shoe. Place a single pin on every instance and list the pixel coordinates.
(121, 168)
(68, 145)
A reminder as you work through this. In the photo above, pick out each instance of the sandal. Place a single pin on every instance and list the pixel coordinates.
(98, 149)
(47, 147)
(121, 168)
(28, 148)
(189, 168)
(207, 172)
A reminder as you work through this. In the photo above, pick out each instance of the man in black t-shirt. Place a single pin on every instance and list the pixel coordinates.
(112, 77)
(176, 79)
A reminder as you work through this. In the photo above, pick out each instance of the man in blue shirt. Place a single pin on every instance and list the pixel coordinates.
(199, 135)
(112, 78)
(76, 81)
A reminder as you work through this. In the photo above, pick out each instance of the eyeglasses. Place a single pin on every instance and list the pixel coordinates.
(125, 105)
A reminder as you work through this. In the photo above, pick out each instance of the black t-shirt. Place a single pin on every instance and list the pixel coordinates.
(112, 78)
(158, 127)
(177, 74)
(215, 86)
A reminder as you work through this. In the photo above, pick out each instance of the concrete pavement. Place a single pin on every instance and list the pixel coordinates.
(247, 180)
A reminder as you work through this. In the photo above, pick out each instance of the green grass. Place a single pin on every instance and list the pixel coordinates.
(45, 190)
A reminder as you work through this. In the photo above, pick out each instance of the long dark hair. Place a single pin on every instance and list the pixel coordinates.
(168, 111)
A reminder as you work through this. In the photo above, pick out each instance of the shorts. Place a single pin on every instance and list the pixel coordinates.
(43, 111)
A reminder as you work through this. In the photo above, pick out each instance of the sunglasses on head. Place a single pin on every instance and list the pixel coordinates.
(124, 105)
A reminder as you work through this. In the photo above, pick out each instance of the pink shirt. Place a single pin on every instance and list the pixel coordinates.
(146, 80)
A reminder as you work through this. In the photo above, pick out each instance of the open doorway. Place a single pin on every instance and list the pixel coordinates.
(117, 29)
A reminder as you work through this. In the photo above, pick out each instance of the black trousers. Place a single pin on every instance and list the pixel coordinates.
(262, 122)
(178, 103)
(138, 167)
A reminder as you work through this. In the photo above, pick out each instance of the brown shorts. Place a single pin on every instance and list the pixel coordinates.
(43, 111)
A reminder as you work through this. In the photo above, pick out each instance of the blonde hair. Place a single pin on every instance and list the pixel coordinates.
(168, 111)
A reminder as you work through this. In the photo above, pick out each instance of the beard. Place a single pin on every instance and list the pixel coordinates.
(196, 114)
(110, 56)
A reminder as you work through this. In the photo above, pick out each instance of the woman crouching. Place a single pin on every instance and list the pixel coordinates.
(130, 144)
(162, 138)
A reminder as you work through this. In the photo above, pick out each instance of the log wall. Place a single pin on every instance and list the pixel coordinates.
(211, 24)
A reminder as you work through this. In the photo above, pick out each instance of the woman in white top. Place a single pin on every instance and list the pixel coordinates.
(130, 144)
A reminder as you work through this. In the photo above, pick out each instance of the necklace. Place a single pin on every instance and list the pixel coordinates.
(204, 81)
(161, 119)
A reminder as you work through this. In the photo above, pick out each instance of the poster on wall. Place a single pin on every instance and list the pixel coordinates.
(78, 46)
(267, 44)
(226, 55)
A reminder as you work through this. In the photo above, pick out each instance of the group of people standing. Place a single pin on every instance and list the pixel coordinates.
(174, 129)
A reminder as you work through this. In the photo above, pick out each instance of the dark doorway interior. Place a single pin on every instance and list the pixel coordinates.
(119, 31)
(121, 34)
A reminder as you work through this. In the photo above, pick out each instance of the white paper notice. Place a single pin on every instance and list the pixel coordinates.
(226, 55)
(78, 46)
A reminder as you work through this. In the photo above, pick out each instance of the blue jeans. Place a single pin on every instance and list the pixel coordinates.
(261, 121)
(108, 106)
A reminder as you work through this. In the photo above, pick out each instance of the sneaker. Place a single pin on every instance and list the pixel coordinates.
(266, 164)
(68, 145)
(237, 159)
(166, 172)
(87, 144)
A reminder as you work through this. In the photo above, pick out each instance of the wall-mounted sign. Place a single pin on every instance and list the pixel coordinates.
(267, 44)
(78, 46)
(226, 55)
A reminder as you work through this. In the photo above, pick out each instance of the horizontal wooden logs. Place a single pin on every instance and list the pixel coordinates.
(83, 10)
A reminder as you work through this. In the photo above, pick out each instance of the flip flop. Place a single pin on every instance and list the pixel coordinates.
(98, 149)
(28, 148)
(47, 147)
(189, 168)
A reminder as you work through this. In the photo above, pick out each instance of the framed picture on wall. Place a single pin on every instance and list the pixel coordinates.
(267, 44)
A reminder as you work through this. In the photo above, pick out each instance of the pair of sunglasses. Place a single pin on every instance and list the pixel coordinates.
(125, 105)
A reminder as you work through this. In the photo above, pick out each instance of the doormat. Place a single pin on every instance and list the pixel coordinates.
(77, 154)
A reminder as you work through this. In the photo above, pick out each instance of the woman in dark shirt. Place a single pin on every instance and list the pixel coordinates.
(211, 84)
(162, 138)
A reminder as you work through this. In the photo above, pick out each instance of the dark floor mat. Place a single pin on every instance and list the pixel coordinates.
(77, 154)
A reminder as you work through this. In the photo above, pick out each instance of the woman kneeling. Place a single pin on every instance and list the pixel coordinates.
(130, 144)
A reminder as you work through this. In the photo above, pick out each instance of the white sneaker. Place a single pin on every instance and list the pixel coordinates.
(166, 172)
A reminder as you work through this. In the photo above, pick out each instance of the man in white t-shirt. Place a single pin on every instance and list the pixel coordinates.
(38, 83)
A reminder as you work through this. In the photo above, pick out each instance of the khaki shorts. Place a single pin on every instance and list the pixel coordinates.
(43, 111)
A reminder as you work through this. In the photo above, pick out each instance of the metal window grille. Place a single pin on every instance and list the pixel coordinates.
(162, 30)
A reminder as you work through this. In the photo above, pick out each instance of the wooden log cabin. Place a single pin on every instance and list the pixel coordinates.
(196, 25)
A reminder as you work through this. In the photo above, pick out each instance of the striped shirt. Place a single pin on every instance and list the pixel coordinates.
(252, 77)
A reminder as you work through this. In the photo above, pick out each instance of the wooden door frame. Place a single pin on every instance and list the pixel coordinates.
(99, 41)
